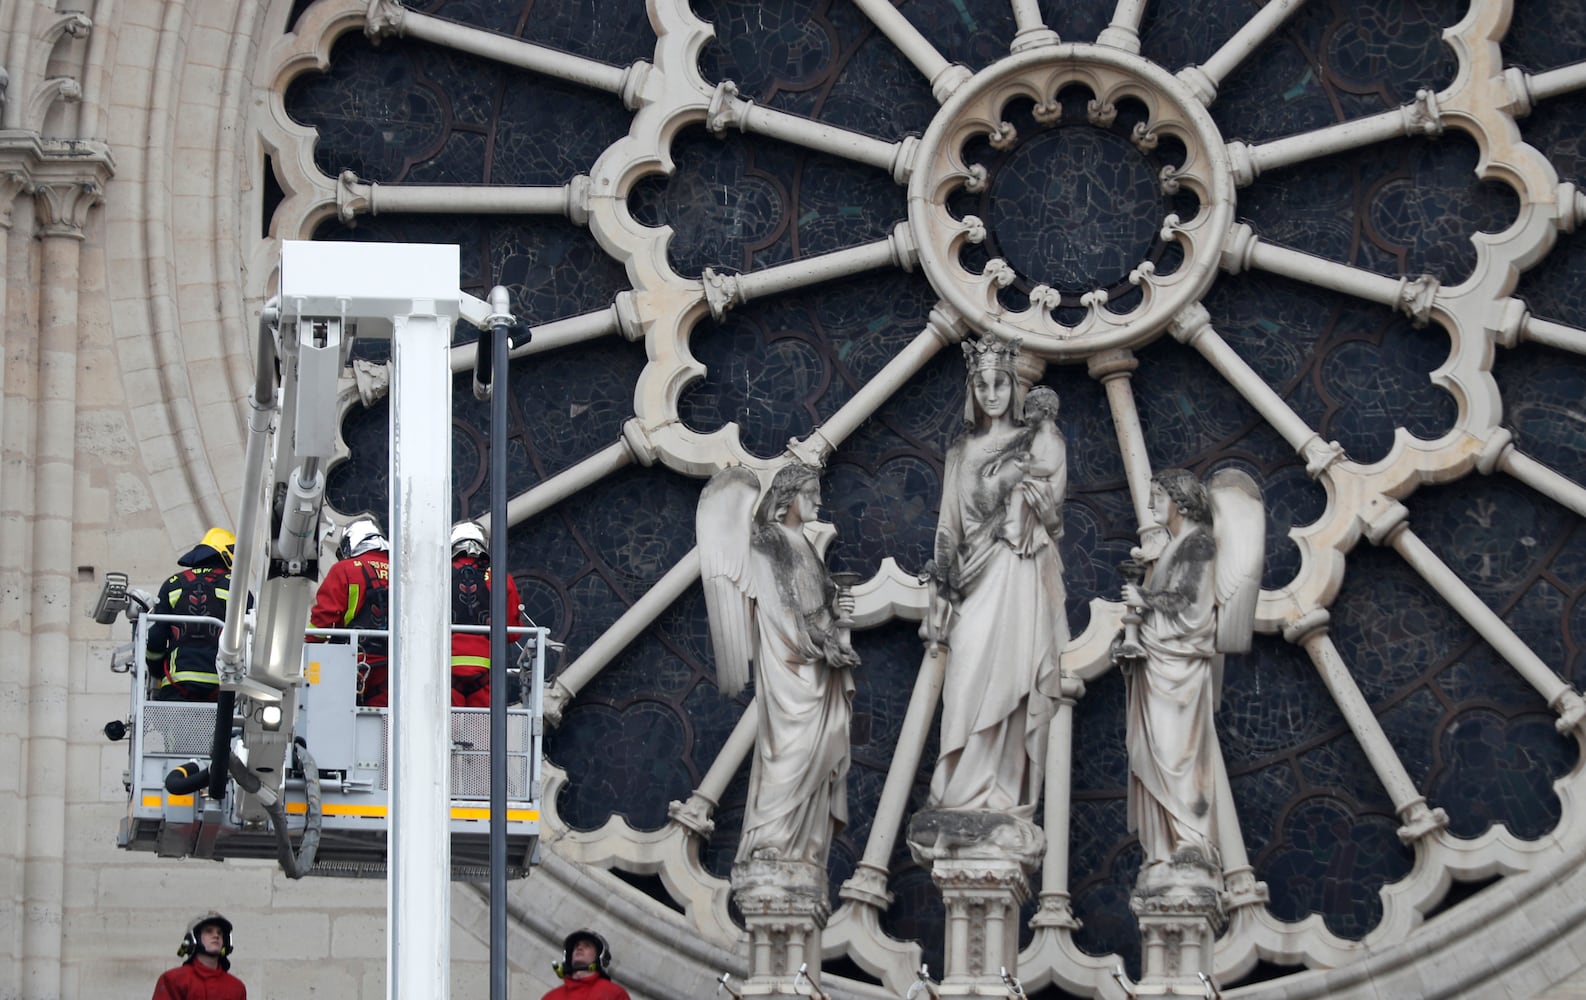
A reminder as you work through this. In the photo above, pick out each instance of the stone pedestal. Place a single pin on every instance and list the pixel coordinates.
(981, 862)
(785, 906)
(1179, 905)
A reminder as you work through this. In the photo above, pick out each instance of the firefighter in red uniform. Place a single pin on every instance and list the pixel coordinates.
(585, 970)
(182, 654)
(471, 606)
(356, 594)
(206, 974)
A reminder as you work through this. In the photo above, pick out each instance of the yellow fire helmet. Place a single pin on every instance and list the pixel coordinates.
(217, 542)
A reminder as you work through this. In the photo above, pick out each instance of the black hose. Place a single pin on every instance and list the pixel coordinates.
(483, 368)
(220, 746)
(309, 845)
(187, 778)
(297, 863)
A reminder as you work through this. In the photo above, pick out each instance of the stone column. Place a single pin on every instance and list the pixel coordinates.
(785, 906)
(1179, 905)
(18, 344)
(981, 862)
(1055, 910)
(14, 180)
(64, 192)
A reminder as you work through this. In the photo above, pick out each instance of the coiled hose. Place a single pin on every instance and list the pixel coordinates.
(299, 863)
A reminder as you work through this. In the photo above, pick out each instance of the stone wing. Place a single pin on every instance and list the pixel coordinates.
(724, 525)
(1239, 525)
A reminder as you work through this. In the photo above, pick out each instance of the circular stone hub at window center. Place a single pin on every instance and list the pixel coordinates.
(1075, 208)
(1053, 238)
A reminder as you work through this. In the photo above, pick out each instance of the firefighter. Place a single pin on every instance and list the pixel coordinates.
(206, 973)
(585, 969)
(182, 654)
(471, 606)
(356, 594)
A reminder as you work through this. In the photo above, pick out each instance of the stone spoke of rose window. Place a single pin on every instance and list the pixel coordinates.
(1419, 117)
(389, 18)
(942, 329)
(1310, 632)
(1124, 31)
(1552, 83)
(1029, 30)
(723, 291)
(1427, 115)
(564, 687)
(728, 110)
(1518, 323)
(1244, 250)
(697, 813)
(1387, 523)
(1193, 327)
(943, 76)
(620, 317)
(355, 197)
(1500, 454)
(1209, 75)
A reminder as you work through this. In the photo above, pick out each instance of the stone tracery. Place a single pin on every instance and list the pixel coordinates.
(1364, 500)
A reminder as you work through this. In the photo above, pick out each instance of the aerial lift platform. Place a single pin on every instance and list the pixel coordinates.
(304, 773)
(293, 762)
(350, 747)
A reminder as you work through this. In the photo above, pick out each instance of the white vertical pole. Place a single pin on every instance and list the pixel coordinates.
(418, 887)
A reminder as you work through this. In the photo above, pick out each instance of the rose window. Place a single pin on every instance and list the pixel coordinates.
(1330, 247)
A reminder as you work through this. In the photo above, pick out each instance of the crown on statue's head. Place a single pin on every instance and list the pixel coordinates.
(990, 354)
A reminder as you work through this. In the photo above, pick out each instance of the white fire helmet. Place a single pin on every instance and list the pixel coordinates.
(469, 539)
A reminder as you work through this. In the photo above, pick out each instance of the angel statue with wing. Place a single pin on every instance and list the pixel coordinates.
(773, 606)
(1196, 603)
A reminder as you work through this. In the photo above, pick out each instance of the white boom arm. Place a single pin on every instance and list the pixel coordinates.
(331, 293)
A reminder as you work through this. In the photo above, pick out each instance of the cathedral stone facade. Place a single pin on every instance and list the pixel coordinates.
(1334, 248)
